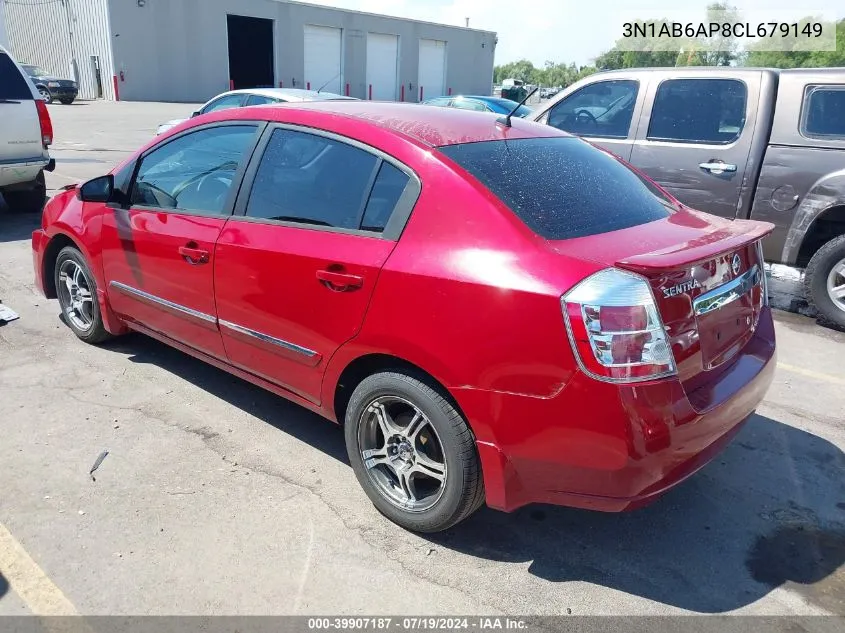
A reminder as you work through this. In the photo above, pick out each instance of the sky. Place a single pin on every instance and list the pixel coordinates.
(571, 30)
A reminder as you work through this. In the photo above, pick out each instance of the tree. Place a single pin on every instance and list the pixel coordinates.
(799, 59)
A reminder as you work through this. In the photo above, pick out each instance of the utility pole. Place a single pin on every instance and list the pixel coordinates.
(66, 4)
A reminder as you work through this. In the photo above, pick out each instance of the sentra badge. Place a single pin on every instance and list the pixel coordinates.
(681, 288)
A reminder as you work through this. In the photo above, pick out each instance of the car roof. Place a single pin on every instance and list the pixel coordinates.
(428, 125)
(291, 94)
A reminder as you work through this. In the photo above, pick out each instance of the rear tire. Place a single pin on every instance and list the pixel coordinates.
(824, 281)
(66, 101)
(77, 292)
(28, 200)
(403, 478)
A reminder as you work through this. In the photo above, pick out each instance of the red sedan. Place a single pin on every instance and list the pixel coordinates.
(495, 311)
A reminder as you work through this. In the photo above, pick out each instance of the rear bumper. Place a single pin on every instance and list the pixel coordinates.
(22, 171)
(609, 447)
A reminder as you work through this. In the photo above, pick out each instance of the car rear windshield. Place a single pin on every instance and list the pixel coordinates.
(13, 85)
(562, 187)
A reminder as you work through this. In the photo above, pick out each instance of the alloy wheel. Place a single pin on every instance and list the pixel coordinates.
(75, 295)
(836, 285)
(402, 453)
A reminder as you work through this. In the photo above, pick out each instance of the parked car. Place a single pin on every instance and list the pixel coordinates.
(26, 132)
(493, 312)
(480, 104)
(51, 87)
(255, 96)
(739, 143)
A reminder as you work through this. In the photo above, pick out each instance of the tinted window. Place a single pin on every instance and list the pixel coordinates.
(443, 101)
(260, 100)
(469, 104)
(223, 103)
(562, 187)
(13, 85)
(194, 172)
(825, 111)
(387, 190)
(698, 111)
(311, 179)
(603, 109)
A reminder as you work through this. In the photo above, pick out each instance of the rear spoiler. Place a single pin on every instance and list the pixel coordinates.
(726, 238)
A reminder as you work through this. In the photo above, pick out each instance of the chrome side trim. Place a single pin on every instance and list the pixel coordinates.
(266, 338)
(727, 293)
(163, 303)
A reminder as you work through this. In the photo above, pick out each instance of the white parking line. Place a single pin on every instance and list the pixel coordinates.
(29, 581)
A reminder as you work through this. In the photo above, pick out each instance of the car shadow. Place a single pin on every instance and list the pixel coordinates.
(4, 586)
(769, 511)
(16, 226)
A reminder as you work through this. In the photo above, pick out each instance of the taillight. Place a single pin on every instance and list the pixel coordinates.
(45, 122)
(615, 328)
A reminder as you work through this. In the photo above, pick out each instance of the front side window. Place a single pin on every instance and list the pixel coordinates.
(706, 111)
(562, 187)
(603, 109)
(824, 111)
(194, 172)
(224, 103)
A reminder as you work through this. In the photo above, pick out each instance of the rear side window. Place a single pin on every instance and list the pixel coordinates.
(824, 112)
(706, 111)
(388, 188)
(312, 179)
(13, 85)
(562, 187)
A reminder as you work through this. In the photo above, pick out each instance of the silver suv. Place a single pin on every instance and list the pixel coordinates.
(25, 134)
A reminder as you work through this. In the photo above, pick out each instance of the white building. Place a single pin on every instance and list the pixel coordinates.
(190, 50)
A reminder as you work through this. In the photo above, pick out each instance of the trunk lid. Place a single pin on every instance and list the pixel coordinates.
(706, 274)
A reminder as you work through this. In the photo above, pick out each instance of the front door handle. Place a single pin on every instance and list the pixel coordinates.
(339, 281)
(193, 254)
(717, 167)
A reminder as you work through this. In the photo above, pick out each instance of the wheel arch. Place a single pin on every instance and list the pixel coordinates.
(360, 367)
(829, 224)
(51, 254)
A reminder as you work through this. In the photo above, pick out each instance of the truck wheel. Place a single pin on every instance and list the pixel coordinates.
(28, 200)
(66, 101)
(824, 281)
(412, 452)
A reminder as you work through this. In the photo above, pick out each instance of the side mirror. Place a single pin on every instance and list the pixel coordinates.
(97, 190)
(195, 113)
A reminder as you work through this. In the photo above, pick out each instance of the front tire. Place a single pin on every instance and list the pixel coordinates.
(77, 292)
(30, 200)
(412, 452)
(824, 281)
(45, 94)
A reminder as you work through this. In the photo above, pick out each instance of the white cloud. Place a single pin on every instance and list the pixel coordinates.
(566, 30)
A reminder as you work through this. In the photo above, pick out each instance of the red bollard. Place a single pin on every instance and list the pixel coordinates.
(347, 89)
(116, 89)
(308, 86)
(402, 98)
(450, 92)
(421, 93)
(371, 92)
(231, 84)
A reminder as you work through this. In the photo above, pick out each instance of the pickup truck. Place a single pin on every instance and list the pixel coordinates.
(26, 132)
(753, 143)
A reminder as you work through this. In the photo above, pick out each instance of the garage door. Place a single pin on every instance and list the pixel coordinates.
(432, 74)
(382, 56)
(323, 58)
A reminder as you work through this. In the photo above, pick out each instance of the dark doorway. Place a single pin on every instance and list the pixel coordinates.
(250, 52)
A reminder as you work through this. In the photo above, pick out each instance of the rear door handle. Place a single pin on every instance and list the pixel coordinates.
(717, 167)
(193, 254)
(336, 280)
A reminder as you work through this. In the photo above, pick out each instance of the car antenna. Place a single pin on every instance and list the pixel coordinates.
(327, 83)
(506, 120)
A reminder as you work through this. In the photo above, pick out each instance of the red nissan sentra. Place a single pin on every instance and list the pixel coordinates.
(495, 311)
